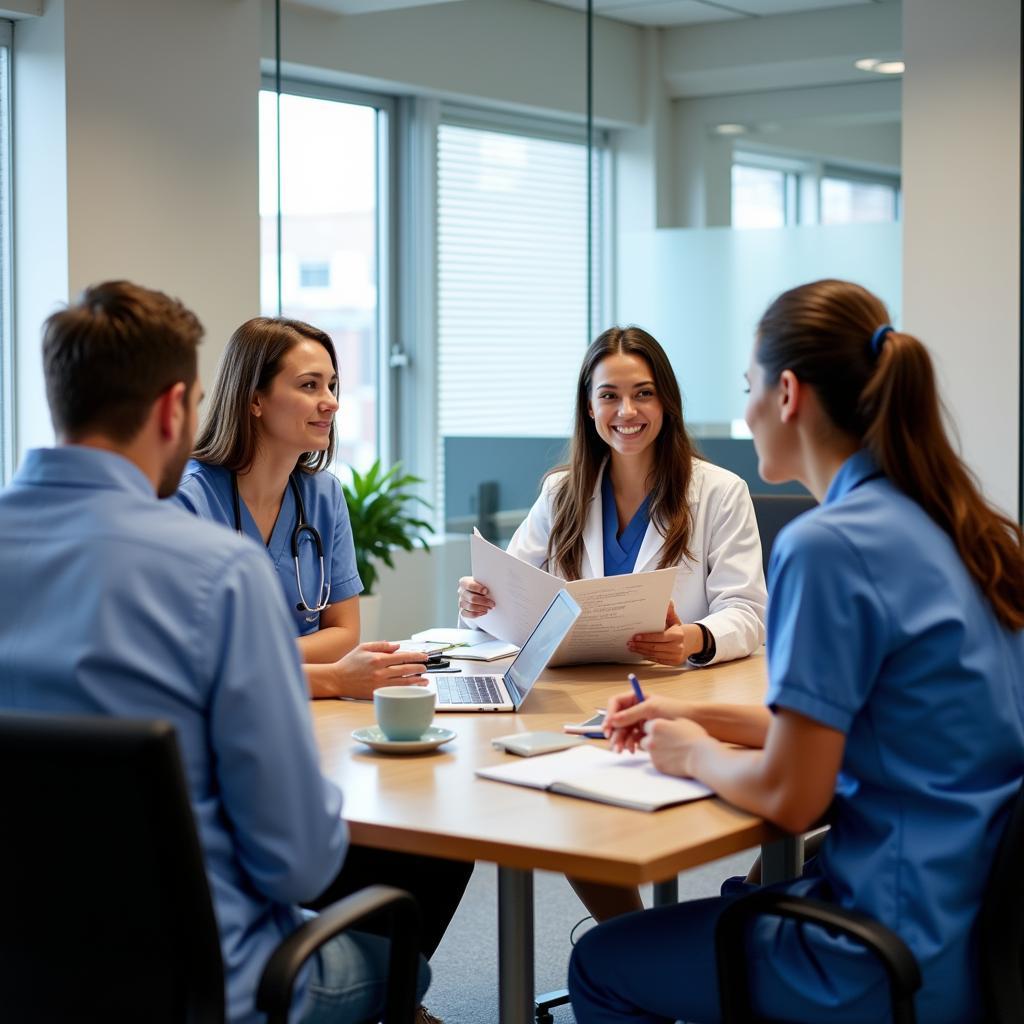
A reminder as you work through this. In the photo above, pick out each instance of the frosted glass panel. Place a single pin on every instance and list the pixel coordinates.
(701, 293)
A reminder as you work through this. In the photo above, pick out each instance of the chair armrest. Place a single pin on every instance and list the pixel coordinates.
(274, 996)
(731, 953)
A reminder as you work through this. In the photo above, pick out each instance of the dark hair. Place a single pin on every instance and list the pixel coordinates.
(251, 360)
(888, 400)
(109, 356)
(673, 458)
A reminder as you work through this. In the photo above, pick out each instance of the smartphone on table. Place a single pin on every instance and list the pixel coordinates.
(594, 724)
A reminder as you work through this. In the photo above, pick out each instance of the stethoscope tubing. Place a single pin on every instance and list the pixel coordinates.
(301, 527)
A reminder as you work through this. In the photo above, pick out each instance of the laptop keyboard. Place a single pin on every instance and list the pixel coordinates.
(468, 690)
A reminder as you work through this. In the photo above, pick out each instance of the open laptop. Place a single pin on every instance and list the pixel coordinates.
(508, 691)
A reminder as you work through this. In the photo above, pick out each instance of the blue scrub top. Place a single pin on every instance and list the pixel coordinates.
(114, 603)
(205, 490)
(620, 552)
(876, 630)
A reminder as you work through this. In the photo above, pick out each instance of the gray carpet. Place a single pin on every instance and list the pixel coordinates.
(465, 985)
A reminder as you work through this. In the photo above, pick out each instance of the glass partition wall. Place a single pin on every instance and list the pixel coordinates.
(445, 229)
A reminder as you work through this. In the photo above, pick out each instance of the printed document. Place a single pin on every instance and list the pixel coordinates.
(596, 773)
(614, 608)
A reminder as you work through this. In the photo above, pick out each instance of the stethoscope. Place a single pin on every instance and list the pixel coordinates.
(301, 527)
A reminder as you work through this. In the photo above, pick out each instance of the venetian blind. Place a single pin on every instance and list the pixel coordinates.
(512, 281)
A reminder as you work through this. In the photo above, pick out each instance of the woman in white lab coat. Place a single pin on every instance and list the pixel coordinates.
(636, 497)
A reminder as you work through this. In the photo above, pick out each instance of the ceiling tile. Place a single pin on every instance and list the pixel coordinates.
(764, 8)
(667, 12)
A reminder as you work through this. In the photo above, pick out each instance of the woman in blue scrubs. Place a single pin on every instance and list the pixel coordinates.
(259, 462)
(895, 701)
(260, 458)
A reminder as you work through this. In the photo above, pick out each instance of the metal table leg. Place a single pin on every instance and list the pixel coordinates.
(515, 946)
(666, 893)
(782, 859)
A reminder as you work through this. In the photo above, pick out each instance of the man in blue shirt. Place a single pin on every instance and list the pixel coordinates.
(117, 604)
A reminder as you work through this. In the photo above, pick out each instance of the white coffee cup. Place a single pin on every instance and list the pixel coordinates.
(403, 712)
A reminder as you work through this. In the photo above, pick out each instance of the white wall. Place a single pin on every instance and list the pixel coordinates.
(961, 239)
(143, 114)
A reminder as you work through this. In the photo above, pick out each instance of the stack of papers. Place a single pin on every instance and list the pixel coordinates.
(614, 608)
(470, 644)
(596, 773)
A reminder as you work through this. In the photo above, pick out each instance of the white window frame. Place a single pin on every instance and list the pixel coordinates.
(388, 242)
(8, 391)
(803, 178)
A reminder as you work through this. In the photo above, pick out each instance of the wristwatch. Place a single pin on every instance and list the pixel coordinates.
(708, 650)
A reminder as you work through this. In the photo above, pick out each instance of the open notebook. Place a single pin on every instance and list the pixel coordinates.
(596, 773)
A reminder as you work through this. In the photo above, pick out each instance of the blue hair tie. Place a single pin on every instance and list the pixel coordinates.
(878, 338)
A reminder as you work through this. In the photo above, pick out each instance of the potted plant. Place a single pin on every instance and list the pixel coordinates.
(380, 510)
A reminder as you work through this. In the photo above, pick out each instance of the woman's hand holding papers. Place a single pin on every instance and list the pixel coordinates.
(474, 598)
(671, 647)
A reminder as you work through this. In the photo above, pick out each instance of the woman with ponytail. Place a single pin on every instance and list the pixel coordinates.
(895, 701)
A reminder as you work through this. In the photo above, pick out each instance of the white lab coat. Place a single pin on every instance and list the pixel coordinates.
(722, 586)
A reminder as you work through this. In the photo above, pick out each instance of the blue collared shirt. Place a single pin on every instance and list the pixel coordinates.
(114, 603)
(876, 630)
(206, 491)
(620, 551)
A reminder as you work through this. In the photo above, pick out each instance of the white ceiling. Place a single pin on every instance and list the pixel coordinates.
(662, 13)
(697, 12)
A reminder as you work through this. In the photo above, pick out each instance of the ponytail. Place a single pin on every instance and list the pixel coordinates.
(905, 434)
(879, 385)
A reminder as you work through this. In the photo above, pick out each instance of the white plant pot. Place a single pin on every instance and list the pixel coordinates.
(369, 617)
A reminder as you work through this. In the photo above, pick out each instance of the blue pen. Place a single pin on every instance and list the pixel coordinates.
(593, 735)
(635, 683)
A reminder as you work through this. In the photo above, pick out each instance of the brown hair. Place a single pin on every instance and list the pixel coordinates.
(673, 458)
(251, 360)
(108, 357)
(888, 399)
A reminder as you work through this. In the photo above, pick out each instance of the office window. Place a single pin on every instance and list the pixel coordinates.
(512, 281)
(7, 439)
(847, 200)
(314, 275)
(758, 197)
(331, 213)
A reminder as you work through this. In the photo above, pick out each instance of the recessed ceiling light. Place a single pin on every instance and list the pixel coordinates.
(730, 129)
(881, 67)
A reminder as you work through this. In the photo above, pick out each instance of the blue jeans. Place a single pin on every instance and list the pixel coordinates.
(348, 980)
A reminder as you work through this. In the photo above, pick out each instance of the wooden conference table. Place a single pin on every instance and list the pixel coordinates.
(434, 804)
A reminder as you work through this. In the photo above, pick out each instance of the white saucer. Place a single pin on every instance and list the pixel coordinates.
(372, 736)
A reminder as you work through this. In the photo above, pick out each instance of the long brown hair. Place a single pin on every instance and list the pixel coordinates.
(251, 360)
(673, 458)
(886, 396)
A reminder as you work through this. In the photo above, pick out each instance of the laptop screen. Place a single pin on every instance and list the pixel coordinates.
(552, 629)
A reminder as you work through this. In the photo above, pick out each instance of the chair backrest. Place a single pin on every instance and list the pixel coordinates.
(106, 908)
(772, 512)
(1002, 924)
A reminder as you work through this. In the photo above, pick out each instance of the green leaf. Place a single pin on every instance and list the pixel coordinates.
(378, 502)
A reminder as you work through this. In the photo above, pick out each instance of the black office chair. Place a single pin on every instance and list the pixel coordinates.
(773, 512)
(106, 908)
(1000, 931)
